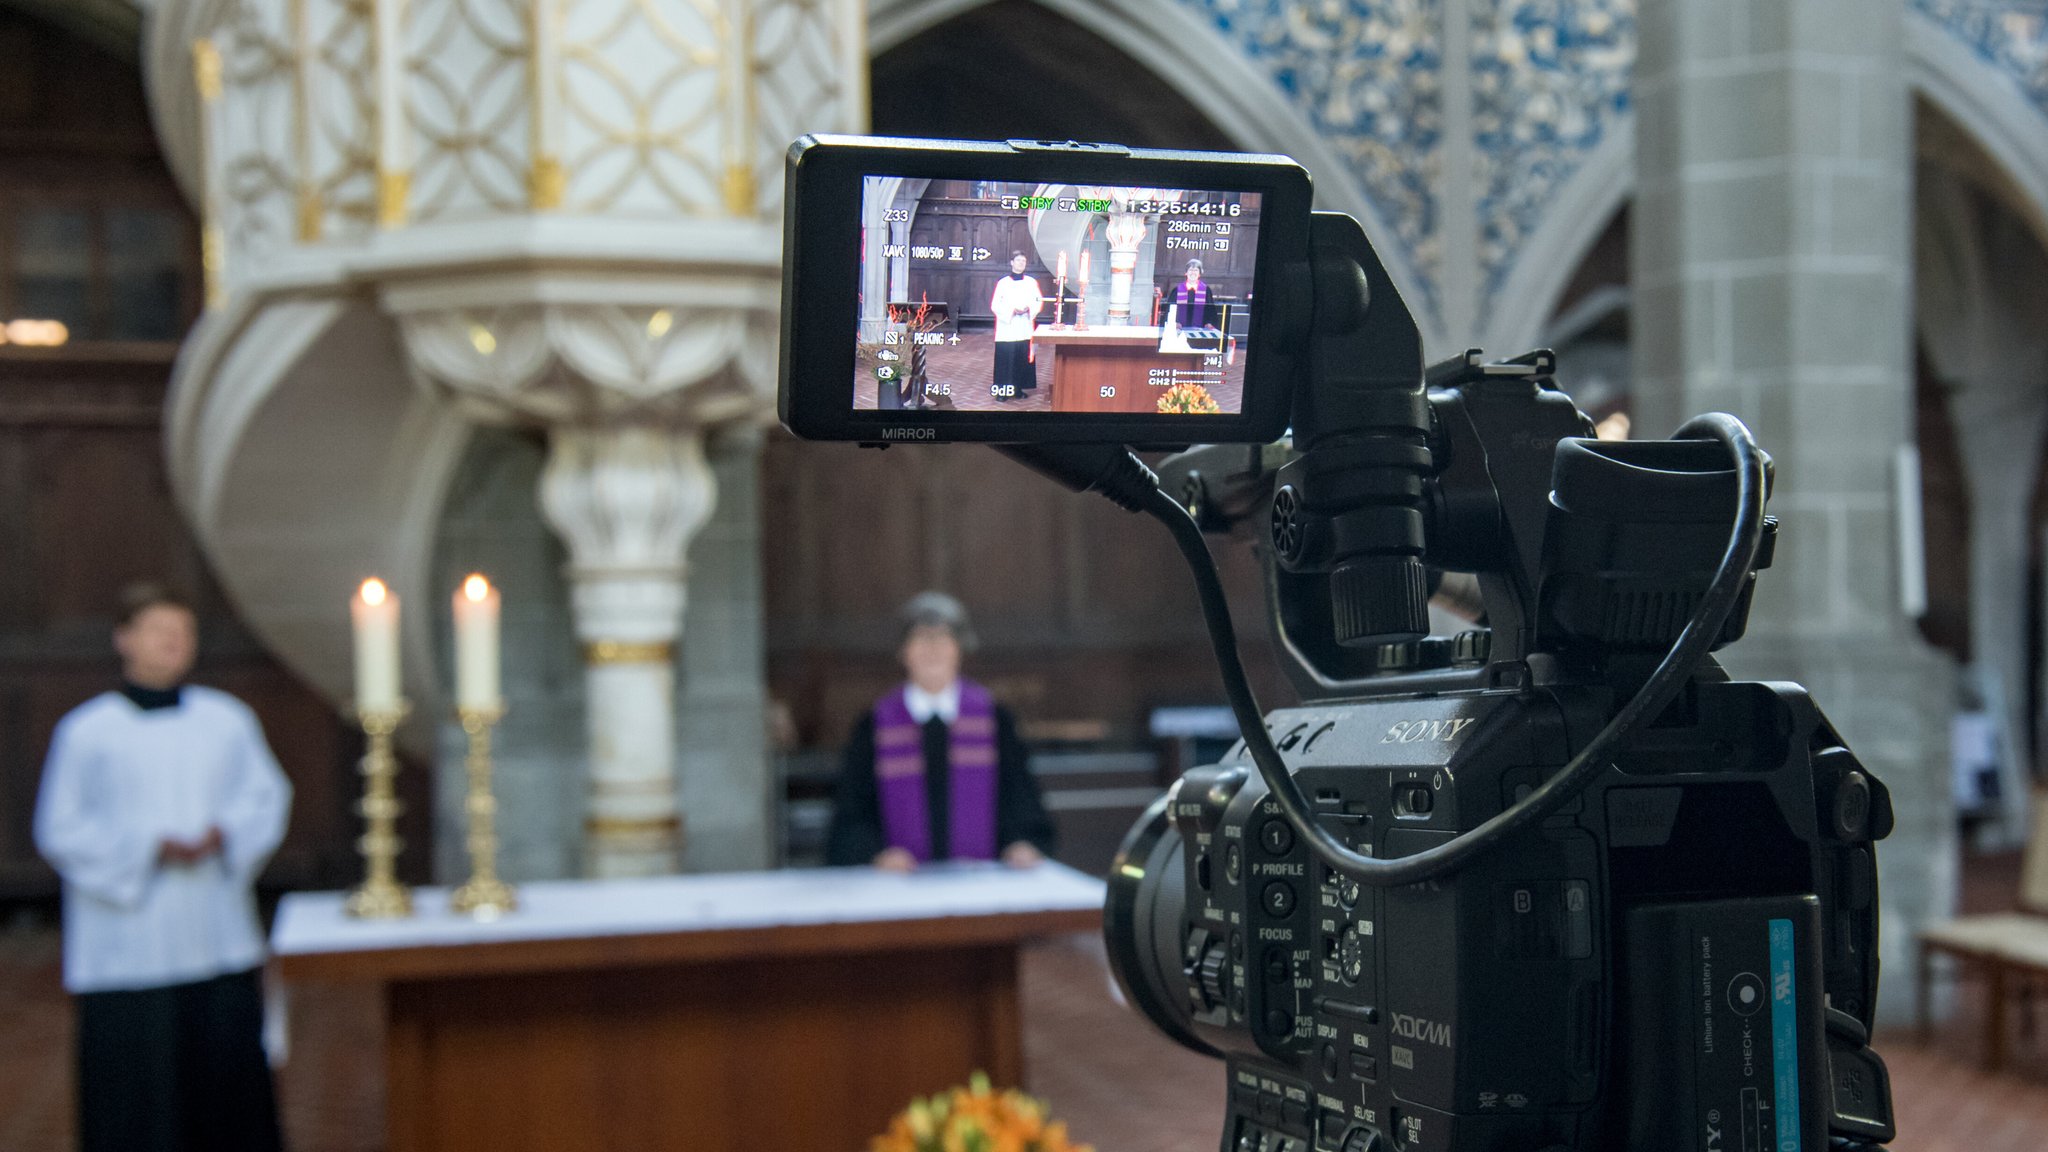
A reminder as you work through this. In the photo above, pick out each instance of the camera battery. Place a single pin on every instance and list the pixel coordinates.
(1724, 1027)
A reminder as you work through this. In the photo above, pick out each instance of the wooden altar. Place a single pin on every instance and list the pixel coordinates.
(782, 1010)
(1111, 368)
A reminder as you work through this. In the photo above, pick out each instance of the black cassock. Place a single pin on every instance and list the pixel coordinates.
(176, 1069)
(856, 834)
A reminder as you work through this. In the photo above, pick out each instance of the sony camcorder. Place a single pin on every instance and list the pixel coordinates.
(1555, 883)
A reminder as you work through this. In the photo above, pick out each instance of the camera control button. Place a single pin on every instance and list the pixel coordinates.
(1362, 1140)
(1245, 1097)
(1233, 864)
(1294, 1116)
(1364, 1066)
(1351, 955)
(1276, 837)
(1413, 800)
(1330, 1127)
(1278, 899)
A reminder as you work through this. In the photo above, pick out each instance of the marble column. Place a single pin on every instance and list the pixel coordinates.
(627, 500)
(1126, 231)
(1772, 279)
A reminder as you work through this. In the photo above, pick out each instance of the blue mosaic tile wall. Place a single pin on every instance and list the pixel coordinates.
(1367, 74)
(2011, 35)
(1550, 82)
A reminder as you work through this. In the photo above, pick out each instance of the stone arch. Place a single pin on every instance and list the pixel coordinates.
(1175, 44)
(1989, 109)
(1583, 208)
(1942, 71)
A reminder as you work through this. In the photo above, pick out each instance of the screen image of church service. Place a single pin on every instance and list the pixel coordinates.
(996, 296)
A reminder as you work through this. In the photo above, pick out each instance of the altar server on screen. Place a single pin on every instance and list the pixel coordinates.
(1016, 304)
(160, 803)
(935, 771)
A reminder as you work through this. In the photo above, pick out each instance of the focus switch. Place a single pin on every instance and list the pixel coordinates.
(1279, 898)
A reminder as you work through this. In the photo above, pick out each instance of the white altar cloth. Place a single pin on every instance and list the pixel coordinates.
(311, 923)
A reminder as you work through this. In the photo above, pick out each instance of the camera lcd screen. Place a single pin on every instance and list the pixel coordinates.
(1022, 297)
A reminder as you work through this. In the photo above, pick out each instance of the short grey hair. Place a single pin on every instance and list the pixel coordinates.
(936, 609)
(1194, 265)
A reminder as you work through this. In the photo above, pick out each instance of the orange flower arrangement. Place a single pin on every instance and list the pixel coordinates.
(1188, 397)
(975, 1119)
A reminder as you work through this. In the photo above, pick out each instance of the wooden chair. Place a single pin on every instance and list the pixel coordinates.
(2009, 949)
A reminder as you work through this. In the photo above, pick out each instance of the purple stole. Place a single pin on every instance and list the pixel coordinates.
(971, 756)
(1182, 298)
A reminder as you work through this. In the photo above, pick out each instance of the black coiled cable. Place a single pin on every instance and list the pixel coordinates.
(1722, 595)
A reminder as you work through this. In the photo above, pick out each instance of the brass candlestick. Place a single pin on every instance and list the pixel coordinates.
(485, 896)
(380, 896)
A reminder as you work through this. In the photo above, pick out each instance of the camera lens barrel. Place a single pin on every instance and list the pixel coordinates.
(1142, 922)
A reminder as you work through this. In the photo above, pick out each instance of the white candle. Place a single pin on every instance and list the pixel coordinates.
(476, 645)
(375, 612)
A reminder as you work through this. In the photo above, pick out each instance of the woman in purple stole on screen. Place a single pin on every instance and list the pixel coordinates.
(935, 770)
(1191, 298)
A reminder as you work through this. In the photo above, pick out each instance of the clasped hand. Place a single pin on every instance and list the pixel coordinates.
(184, 853)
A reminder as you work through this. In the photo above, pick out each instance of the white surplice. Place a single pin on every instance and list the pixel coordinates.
(1016, 303)
(119, 781)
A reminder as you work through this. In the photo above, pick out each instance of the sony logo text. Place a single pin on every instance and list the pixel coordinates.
(1412, 731)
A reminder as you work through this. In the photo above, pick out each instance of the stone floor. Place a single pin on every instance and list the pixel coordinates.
(1118, 1083)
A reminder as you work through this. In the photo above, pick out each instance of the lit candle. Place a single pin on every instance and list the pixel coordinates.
(1084, 269)
(476, 645)
(375, 613)
(1060, 269)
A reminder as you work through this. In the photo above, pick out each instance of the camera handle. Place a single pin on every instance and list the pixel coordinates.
(1117, 473)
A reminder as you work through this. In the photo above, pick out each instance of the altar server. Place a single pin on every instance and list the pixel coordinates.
(1016, 303)
(160, 803)
(935, 771)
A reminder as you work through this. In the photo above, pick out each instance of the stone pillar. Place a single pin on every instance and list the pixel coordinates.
(1126, 231)
(1982, 285)
(1772, 280)
(627, 500)
(726, 777)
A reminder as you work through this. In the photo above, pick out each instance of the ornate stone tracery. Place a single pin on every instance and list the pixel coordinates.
(567, 210)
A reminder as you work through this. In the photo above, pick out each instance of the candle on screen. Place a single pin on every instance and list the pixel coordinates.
(1084, 268)
(375, 614)
(1060, 268)
(476, 645)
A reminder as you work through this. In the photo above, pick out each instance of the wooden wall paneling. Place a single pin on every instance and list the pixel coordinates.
(869, 504)
(102, 516)
(1010, 549)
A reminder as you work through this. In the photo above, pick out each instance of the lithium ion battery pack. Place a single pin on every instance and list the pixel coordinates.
(1725, 1038)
